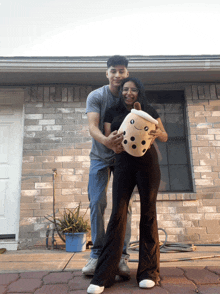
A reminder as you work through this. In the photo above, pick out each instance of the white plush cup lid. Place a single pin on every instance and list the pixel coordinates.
(145, 115)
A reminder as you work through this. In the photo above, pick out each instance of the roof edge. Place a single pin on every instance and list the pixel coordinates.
(98, 64)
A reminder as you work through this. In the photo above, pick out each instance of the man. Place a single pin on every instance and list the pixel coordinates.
(102, 160)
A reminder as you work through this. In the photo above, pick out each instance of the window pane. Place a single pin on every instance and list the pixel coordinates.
(174, 108)
(174, 154)
(179, 178)
(161, 152)
(177, 152)
(174, 125)
(164, 183)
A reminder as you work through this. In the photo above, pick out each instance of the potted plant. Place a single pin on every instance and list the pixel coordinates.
(75, 227)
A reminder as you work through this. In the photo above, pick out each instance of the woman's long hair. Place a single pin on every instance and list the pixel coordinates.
(141, 91)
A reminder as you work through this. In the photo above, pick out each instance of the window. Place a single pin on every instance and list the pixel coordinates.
(174, 154)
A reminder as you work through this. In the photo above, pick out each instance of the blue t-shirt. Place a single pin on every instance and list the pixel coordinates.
(100, 100)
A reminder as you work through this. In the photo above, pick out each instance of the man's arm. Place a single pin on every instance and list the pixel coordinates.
(107, 129)
(112, 141)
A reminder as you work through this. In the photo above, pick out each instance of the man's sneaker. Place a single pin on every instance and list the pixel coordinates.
(123, 269)
(89, 268)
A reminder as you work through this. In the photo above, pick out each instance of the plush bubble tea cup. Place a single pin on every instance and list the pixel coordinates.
(136, 128)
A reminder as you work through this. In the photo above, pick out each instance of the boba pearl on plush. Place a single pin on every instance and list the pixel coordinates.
(136, 128)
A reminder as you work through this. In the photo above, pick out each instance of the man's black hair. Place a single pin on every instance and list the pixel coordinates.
(117, 60)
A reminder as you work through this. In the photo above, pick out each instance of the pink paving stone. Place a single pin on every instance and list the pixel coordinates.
(33, 275)
(58, 278)
(79, 283)
(214, 269)
(24, 285)
(133, 290)
(77, 292)
(6, 279)
(3, 289)
(175, 280)
(128, 283)
(209, 289)
(53, 289)
(180, 289)
(170, 271)
(202, 276)
(114, 290)
(77, 273)
(154, 290)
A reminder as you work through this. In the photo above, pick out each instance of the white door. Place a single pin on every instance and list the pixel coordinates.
(11, 146)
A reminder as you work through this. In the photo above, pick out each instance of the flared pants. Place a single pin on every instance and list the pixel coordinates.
(145, 173)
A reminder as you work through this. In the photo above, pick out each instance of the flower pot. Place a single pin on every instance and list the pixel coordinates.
(75, 242)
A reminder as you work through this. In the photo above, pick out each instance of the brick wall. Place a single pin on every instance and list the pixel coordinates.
(56, 136)
(197, 218)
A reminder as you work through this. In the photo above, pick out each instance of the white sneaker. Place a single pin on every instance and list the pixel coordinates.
(123, 268)
(94, 289)
(89, 268)
(146, 284)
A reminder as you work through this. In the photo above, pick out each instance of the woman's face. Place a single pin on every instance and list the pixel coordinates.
(130, 93)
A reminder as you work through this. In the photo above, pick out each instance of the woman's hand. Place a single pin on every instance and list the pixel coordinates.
(159, 133)
(155, 134)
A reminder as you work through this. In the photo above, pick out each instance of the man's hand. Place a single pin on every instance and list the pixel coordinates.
(113, 141)
(118, 149)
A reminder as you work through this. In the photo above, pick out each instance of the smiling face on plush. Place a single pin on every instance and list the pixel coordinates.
(136, 127)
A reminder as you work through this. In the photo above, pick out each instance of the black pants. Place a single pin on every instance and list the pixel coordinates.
(145, 173)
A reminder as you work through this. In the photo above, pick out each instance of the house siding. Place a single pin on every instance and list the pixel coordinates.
(57, 136)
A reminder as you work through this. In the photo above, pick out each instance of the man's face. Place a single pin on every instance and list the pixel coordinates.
(115, 74)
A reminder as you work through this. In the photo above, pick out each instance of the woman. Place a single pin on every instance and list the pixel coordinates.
(131, 171)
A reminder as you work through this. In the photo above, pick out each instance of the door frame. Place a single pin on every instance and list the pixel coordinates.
(11, 242)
